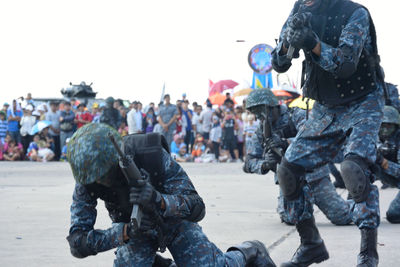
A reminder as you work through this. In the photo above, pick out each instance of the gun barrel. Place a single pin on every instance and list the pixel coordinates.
(290, 52)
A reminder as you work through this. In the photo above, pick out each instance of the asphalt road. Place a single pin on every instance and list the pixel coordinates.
(35, 200)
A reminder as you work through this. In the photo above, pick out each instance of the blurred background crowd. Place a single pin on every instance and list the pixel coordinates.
(196, 132)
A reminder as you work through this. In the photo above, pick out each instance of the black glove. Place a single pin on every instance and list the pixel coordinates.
(146, 196)
(303, 38)
(147, 226)
(271, 160)
(275, 142)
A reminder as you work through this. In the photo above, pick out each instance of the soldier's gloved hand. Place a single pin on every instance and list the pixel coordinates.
(147, 226)
(271, 160)
(146, 196)
(275, 142)
(303, 38)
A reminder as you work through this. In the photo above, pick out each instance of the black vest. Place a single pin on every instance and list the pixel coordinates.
(146, 150)
(325, 87)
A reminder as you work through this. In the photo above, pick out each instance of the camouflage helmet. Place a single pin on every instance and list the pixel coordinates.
(110, 100)
(391, 115)
(261, 97)
(91, 153)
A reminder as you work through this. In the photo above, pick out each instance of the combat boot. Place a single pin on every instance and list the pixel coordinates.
(368, 256)
(312, 248)
(160, 261)
(255, 254)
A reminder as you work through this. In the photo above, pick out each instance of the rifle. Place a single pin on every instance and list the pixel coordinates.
(132, 175)
(300, 20)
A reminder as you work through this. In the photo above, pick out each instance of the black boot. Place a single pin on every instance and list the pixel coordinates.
(255, 254)
(312, 248)
(368, 256)
(160, 261)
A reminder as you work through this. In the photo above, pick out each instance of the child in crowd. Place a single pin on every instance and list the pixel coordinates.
(198, 147)
(64, 150)
(11, 150)
(178, 149)
(39, 149)
(250, 129)
(215, 136)
(123, 129)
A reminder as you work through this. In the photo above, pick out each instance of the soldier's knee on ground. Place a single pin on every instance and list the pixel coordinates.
(289, 177)
(353, 172)
(393, 217)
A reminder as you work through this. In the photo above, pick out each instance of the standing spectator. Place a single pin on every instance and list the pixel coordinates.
(150, 121)
(240, 131)
(229, 126)
(3, 127)
(228, 103)
(122, 112)
(196, 125)
(5, 108)
(167, 118)
(189, 138)
(180, 122)
(54, 115)
(110, 115)
(82, 116)
(42, 109)
(14, 115)
(250, 129)
(206, 120)
(215, 136)
(27, 122)
(135, 119)
(194, 104)
(29, 100)
(96, 112)
(67, 118)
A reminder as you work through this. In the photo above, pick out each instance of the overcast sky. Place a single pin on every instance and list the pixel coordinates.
(128, 49)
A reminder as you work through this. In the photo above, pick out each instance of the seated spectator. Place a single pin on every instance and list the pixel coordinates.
(123, 129)
(198, 147)
(3, 126)
(177, 144)
(11, 150)
(64, 150)
(33, 148)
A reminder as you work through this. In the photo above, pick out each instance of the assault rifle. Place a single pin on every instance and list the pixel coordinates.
(299, 20)
(132, 175)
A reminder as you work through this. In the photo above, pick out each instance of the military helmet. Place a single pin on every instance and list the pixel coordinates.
(110, 100)
(91, 153)
(261, 97)
(391, 115)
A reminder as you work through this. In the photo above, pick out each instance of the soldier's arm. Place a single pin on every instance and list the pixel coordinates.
(83, 239)
(180, 198)
(254, 158)
(343, 60)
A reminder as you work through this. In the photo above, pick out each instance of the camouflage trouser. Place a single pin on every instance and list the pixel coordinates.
(324, 195)
(324, 134)
(188, 245)
(393, 213)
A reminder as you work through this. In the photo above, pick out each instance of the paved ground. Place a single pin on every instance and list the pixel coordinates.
(35, 200)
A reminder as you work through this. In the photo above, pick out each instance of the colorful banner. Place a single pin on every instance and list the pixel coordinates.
(260, 62)
(262, 81)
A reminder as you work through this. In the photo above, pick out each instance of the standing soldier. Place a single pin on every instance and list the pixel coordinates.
(389, 152)
(170, 204)
(111, 115)
(343, 75)
(271, 138)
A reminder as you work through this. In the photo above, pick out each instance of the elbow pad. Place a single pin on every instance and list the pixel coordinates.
(198, 209)
(78, 245)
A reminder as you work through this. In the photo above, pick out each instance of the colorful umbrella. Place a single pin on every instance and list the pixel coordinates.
(243, 92)
(218, 99)
(222, 85)
(281, 93)
(40, 126)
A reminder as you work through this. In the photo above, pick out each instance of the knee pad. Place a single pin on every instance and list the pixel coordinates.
(289, 177)
(393, 217)
(358, 184)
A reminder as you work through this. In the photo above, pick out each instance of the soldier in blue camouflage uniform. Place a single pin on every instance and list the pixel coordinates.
(389, 154)
(167, 193)
(343, 75)
(260, 159)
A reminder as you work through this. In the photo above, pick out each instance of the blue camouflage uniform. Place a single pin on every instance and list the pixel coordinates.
(319, 188)
(185, 240)
(329, 126)
(391, 175)
(393, 96)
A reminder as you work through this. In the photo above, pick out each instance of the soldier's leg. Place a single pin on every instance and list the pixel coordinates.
(191, 247)
(393, 213)
(335, 208)
(138, 252)
(339, 183)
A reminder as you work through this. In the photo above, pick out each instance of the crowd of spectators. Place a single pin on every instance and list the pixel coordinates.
(41, 132)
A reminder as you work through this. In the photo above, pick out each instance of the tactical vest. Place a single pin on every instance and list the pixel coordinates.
(326, 87)
(146, 150)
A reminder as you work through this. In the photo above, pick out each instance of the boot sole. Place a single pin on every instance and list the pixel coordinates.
(321, 258)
